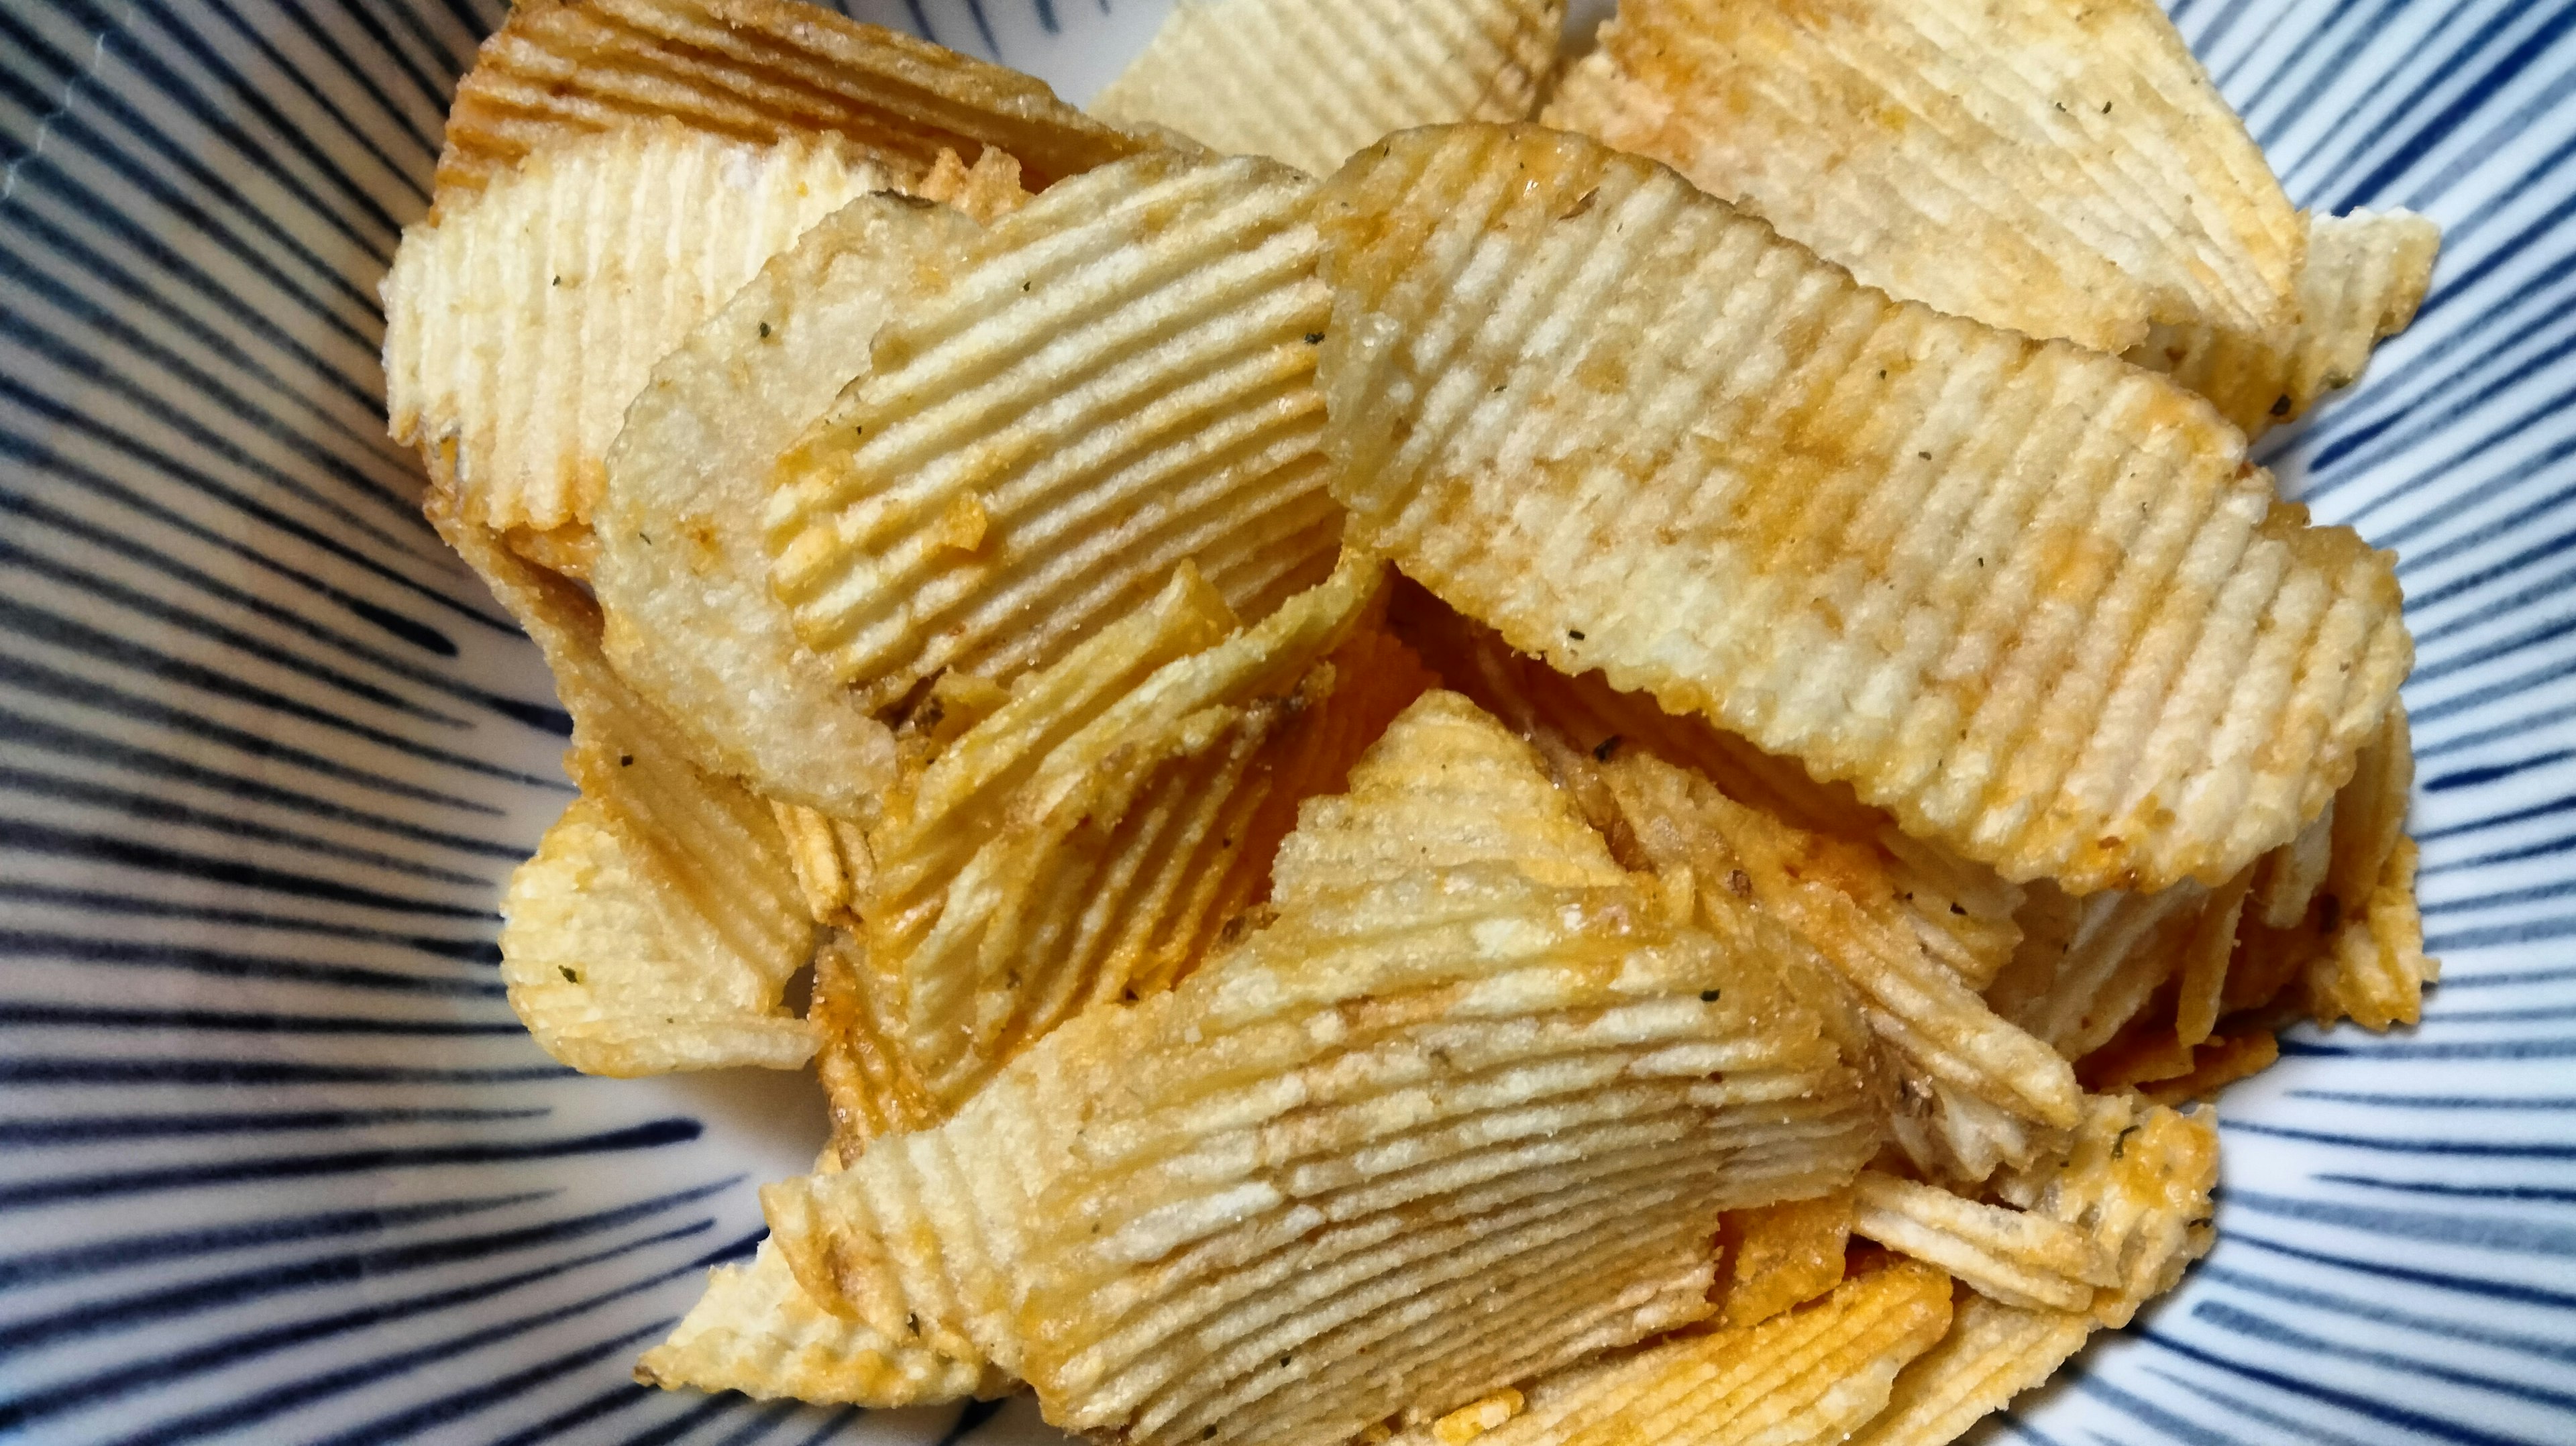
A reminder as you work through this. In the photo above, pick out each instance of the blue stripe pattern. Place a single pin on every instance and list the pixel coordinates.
(276, 1164)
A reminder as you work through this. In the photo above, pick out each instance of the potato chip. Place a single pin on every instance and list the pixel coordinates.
(2062, 171)
(758, 70)
(2287, 880)
(682, 574)
(869, 1084)
(1478, 1417)
(2122, 948)
(2364, 276)
(1114, 380)
(832, 860)
(2012, 1256)
(1310, 81)
(1459, 1114)
(1779, 1256)
(659, 923)
(1808, 1378)
(986, 191)
(2217, 1062)
(2029, 599)
(520, 324)
(755, 1331)
(2376, 972)
(2370, 815)
(2201, 989)
(2139, 1179)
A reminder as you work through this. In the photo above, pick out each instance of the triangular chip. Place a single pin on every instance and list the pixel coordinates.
(1115, 379)
(2029, 599)
(1310, 81)
(757, 70)
(2061, 170)
(1459, 1115)
(681, 572)
(520, 324)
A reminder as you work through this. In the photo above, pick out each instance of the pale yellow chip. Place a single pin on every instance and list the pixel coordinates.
(986, 191)
(2088, 966)
(1808, 1378)
(1458, 1115)
(660, 921)
(756, 1331)
(869, 1084)
(681, 572)
(1310, 81)
(2364, 276)
(2376, 972)
(1779, 1256)
(2139, 1179)
(760, 70)
(1114, 380)
(2027, 598)
(2014, 1256)
(832, 860)
(520, 325)
(2064, 171)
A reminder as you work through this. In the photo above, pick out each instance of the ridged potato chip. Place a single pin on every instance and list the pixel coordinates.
(757, 70)
(681, 572)
(2029, 599)
(2364, 276)
(756, 1331)
(1809, 1378)
(2376, 972)
(1115, 379)
(2013, 1256)
(659, 923)
(1310, 81)
(2087, 966)
(2063, 171)
(1780, 1256)
(986, 191)
(870, 1086)
(1459, 1114)
(521, 323)
(2138, 1178)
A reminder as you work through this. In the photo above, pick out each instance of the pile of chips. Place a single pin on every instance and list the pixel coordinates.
(1459, 743)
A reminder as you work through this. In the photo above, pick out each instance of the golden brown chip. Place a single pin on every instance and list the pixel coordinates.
(2063, 171)
(986, 191)
(520, 324)
(1808, 1378)
(2364, 276)
(832, 861)
(869, 1083)
(659, 923)
(1779, 1256)
(2217, 1062)
(1310, 81)
(2013, 1256)
(1114, 380)
(2029, 599)
(755, 1331)
(2376, 972)
(1458, 1115)
(682, 574)
(757, 70)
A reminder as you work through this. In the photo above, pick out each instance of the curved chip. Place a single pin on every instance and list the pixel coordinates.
(2029, 599)
(1809, 1378)
(2012, 1256)
(1310, 81)
(660, 921)
(756, 1331)
(681, 572)
(2064, 171)
(2364, 276)
(757, 70)
(1457, 1116)
(1118, 378)
(520, 324)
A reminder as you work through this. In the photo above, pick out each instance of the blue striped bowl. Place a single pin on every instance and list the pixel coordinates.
(277, 1165)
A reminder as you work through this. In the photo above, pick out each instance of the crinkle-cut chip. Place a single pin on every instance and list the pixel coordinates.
(2139, 1178)
(986, 191)
(756, 1331)
(2063, 171)
(1779, 1256)
(2364, 276)
(2013, 1256)
(756, 70)
(1114, 380)
(1309, 82)
(1451, 1120)
(869, 1085)
(2376, 972)
(2030, 599)
(2087, 966)
(570, 549)
(2217, 1062)
(682, 574)
(831, 859)
(2370, 816)
(660, 922)
(1807, 1378)
(2201, 987)
(2288, 879)
(521, 324)
(1962, 912)
(1937, 1025)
